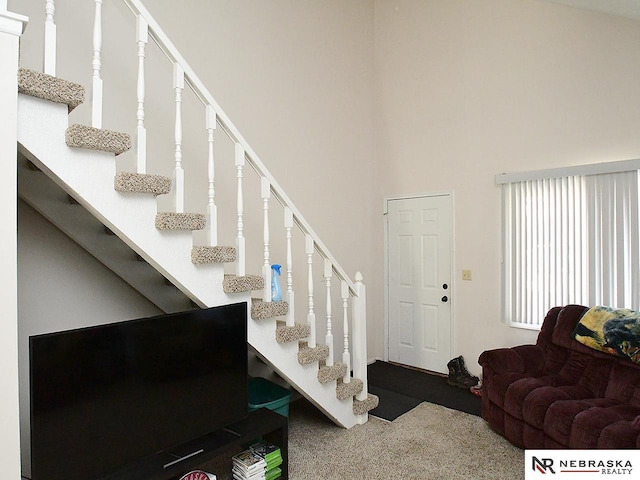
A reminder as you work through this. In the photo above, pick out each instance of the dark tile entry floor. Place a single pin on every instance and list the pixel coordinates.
(400, 389)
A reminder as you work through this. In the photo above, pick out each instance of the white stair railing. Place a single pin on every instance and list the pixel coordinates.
(360, 335)
(178, 172)
(49, 38)
(288, 226)
(240, 240)
(266, 267)
(311, 316)
(212, 209)
(328, 273)
(96, 64)
(142, 37)
(346, 357)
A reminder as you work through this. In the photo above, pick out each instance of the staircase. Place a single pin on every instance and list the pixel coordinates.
(69, 174)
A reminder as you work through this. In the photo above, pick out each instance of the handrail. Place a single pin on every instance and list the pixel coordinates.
(168, 48)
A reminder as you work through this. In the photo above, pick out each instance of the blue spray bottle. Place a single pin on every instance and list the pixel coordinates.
(276, 291)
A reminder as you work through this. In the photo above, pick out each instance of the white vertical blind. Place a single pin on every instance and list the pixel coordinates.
(570, 239)
(613, 228)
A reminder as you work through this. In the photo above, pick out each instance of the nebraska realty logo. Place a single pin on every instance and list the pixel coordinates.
(567, 464)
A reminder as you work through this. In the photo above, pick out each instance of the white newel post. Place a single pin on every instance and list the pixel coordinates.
(346, 358)
(11, 27)
(240, 243)
(178, 172)
(311, 316)
(142, 37)
(288, 225)
(49, 66)
(328, 272)
(96, 64)
(266, 267)
(212, 210)
(359, 336)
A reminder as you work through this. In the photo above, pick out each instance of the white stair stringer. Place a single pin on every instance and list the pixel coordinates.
(283, 357)
(48, 199)
(87, 175)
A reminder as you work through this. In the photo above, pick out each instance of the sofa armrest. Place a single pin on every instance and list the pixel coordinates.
(520, 359)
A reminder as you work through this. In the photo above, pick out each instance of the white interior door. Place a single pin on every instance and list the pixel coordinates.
(419, 234)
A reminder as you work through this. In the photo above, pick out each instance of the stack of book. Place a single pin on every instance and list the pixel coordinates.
(272, 456)
(248, 466)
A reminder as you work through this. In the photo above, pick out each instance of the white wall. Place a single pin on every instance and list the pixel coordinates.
(61, 286)
(466, 90)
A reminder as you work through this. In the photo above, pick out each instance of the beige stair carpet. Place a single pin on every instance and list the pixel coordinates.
(308, 355)
(261, 310)
(347, 390)
(202, 254)
(360, 407)
(142, 183)
(334, 372)
(47, 87)
(83, 136)
(244, 283)
(180, 221)
(285, 334)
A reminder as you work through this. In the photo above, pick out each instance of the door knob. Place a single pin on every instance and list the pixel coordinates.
(445, 298)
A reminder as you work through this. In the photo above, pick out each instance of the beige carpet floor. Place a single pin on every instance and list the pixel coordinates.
(428, 442)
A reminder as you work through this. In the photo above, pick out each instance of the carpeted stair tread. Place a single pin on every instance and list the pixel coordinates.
(261, 310)
(245, 283)
(180, 221)
(142, 183)
(348, 390)
(83, 136)
(334, 372)
(48, 87)
(285, 334)
(308, 355)
(360, 407)
(201, 254)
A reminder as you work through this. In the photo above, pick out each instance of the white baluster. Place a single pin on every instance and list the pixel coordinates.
(240, 243)
(142, 36)
(212, 209)
(345, 307)
(49, 38)
(178, 172)
(359, 337)
(311, 316)
(328, 272)
(266, 267)
(288, 225)
(96, 64)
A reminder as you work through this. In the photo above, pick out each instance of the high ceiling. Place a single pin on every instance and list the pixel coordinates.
(625, 8)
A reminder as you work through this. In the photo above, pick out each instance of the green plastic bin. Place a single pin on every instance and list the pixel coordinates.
(266, 394)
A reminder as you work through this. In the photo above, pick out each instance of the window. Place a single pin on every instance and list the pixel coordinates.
(570, 235)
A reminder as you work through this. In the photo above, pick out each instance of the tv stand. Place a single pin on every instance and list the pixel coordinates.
(171, 465)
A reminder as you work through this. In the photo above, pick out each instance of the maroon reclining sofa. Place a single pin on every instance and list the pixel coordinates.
(560, 393)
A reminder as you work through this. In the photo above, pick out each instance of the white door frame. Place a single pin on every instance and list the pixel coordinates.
(385, 211)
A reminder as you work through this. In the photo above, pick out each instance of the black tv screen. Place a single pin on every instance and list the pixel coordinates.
(106, 396)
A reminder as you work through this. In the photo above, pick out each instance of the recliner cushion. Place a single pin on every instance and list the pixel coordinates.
(588, 425)
(518, 391)
(560, 415)
(537, 403)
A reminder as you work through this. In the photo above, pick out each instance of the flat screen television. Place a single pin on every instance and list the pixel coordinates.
(105, 397)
